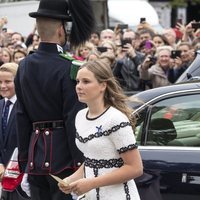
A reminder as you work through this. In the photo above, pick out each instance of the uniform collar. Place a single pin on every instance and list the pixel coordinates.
(50, 47)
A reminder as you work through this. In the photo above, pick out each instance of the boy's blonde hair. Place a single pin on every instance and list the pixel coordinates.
(9, 67)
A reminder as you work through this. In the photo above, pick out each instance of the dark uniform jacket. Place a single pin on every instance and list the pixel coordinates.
(45, 92)
(8, 144)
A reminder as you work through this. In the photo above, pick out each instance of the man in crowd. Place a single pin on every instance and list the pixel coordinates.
(125, 69)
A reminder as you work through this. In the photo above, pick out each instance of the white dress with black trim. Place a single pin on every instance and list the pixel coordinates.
(102, 139)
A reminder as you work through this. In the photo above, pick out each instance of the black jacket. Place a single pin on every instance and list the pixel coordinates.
(8, 144)
(46, 92)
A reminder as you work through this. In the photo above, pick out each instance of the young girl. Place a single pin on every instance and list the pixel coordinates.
(105, 136)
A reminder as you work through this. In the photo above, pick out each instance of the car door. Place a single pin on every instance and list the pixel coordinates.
(168, 134)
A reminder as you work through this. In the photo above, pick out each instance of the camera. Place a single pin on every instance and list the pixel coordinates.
(195, 25)
(123, 26)
(175, 53)
(153, 59)
(148, 44)
(126, 41)
(180, 21)
(102, 49)
(4, 30)
(142, 19)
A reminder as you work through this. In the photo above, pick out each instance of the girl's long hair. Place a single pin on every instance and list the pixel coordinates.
(114, 95)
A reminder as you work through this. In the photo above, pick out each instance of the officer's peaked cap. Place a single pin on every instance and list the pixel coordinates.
(56, 9)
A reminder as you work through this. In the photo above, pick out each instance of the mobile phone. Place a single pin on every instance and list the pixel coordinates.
(102, 49)
(180, 21)
(4, 30)
(175, 53)
(123, 26)
(142, 19)
(153, 59)
(195, 25)
(126, 41)
(148, 45)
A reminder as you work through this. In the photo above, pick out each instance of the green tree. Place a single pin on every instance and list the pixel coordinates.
(183, 3)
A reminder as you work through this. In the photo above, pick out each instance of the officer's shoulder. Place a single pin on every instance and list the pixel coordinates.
(75, 63)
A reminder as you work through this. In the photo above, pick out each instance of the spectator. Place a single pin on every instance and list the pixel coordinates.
(183, 62)
(84, 50)
(159, 40)
(95, 38)
(107, 34)
(17, 37)
(171, 37)
(3, 30)
(188, 33)
(18, 55)
(157, 73)
(10, 47)
(125, 69)
(196, 44)
(110, 53)
(147, 47)
(6, 55)
(32, 38)
(146, 34)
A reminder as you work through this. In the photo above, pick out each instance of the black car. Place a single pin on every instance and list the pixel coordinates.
(168, 135)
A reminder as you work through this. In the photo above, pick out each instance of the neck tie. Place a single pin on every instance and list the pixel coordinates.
(5, 116)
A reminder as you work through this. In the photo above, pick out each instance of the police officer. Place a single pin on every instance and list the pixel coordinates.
(47, 102)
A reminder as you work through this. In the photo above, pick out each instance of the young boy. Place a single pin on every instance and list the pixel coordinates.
(8, 138)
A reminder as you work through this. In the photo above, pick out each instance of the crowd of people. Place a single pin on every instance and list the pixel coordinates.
(52, 109)
(140, 59)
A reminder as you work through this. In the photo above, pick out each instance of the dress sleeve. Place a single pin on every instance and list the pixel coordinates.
(122, 134)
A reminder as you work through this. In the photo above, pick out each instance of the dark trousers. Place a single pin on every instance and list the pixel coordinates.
(44, 187)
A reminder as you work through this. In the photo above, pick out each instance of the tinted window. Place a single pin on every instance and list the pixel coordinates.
(173, 122)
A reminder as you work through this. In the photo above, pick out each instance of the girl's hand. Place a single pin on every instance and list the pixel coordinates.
(82, 186)
(66, 188)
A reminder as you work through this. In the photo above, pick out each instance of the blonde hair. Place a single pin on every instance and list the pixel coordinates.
(9, 67)
(161, 48)
(114, 95)
(111, 43)
(88, 45)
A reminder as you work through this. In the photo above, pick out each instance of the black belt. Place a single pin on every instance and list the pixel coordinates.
(48, 124)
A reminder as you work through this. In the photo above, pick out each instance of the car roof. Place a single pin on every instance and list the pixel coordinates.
(152, 93)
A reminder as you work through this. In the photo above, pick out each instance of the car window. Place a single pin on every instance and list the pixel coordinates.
(172, 122)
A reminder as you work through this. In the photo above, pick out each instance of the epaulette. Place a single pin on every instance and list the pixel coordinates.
(75, 64)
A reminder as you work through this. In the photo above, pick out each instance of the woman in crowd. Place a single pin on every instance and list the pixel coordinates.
(84, 50)
(159, 40)
(18, 55)
(181, 63)
(6, 55)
